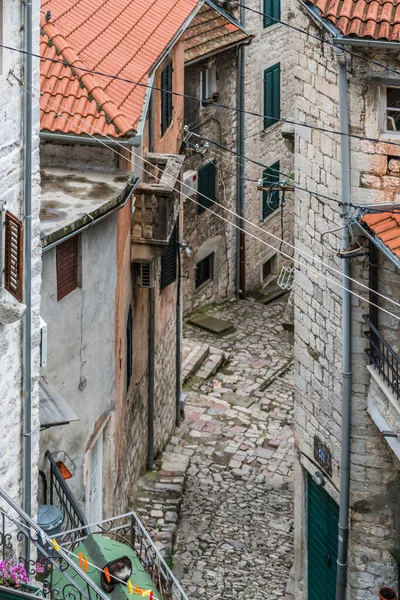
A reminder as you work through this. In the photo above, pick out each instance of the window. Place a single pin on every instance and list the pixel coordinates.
(272, 12)
(129, 348)
(270, 199)
(392, 116)
(166, 98)
(267, 269)
(272, 95)
(206, 186)
(13, 256)
(67, 267)
(208, 85)
(204, 271)
(168, 261)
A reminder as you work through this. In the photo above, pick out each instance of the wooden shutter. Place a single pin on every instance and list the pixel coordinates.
(206, 186)
(13, 256)
(272, 12)
(272, 95)
(129, 348)
(166, 98)
(67, 267)
(270, 199)
(168, 262)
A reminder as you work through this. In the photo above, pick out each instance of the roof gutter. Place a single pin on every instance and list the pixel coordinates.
(225, 48)
(379, 244)
(97, 219)
(67, 138)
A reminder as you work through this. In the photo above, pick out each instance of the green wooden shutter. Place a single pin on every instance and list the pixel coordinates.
(272, 12)
(270, 199)
(168, 261)
(206, 186)
(272, 95)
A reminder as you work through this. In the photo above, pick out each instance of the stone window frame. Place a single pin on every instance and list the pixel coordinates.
(208, 67)
(383, 108)
(270, 163)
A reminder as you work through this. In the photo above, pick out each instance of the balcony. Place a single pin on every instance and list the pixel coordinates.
(384, 387)
(157, 201)
(74, 560)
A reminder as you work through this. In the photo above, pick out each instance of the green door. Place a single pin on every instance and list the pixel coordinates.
(323, 517)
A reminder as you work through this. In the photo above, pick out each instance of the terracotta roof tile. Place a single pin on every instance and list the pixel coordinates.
(119, 37)
(211, 32)
(386, 226)
(376, 19)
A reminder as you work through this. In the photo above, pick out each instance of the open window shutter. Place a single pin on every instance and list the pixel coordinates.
(168, 262)
(272, 12)
(270, 200)
(276, 10)
(272, 95)
(206, 186)
(13, 256)
(67, 267)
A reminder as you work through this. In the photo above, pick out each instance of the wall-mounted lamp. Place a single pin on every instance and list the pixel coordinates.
(318, 478)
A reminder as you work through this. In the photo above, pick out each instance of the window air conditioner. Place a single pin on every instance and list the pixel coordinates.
(190, 179)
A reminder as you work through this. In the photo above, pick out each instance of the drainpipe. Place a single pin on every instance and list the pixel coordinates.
(27, 335)
(151, 122)
(150, 416)
(178, 335)
(240, 235)
(346, 340)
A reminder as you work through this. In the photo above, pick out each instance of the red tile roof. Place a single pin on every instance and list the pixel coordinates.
(119, 37)
(374, 19)
(386, 226)
(211, 32)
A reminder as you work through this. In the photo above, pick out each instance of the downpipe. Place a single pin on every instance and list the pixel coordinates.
(150, 408)
(178, 337)
(343, 534)
(240, 233)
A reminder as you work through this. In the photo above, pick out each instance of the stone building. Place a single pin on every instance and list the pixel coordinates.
(211, 74)
(269, 91)
(13, 248)
(373, 175)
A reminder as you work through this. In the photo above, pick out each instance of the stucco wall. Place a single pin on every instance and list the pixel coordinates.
(81, 355)
(206, 232)
(318, 321)
(271, 45)
(11, 193)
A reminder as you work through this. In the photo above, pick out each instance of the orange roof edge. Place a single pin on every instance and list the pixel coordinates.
(385, 227)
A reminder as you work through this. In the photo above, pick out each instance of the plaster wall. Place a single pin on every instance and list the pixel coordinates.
(11, 197)
(271, 45)
(81, 351)
(318, 321)
(207, 232)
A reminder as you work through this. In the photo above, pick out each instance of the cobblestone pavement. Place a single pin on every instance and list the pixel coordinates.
(234, 537)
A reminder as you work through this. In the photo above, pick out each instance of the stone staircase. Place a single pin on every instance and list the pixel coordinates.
(200, 360)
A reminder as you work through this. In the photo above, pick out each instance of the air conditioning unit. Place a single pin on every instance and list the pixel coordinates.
(143, 274)
(190, 179)
(43, 343)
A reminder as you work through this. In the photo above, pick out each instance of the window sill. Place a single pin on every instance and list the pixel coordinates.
(390, 136)
(11, 310)
(269, 217)
(203, 285)
(270, 28)
(267, 130)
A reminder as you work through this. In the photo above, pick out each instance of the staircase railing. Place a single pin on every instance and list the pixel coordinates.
(19, 531)
(61, 496)
(129, 529)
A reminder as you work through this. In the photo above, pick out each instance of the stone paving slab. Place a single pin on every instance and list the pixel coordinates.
(212, 324)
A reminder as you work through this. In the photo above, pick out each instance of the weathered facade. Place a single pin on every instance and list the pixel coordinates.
(12, 309)
(269, 91)
(374, 460)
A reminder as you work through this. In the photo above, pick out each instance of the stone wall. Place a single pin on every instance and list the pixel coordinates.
(318, 322)
(271, 45)
(207, 232)
(11, 198)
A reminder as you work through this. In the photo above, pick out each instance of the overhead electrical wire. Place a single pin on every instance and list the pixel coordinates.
(307, 267)
(216, 104)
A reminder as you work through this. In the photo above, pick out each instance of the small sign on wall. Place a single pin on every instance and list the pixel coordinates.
(323, 455)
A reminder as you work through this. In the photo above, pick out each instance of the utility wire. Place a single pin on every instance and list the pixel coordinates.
(316, 259)
(217, 104)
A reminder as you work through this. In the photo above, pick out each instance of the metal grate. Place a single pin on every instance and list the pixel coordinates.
(13, 256)
(385, 360)
(204, 271)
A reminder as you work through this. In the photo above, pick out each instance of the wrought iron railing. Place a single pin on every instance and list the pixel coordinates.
(22, 540)
(384, 358)
(61, 496)
(128, 529)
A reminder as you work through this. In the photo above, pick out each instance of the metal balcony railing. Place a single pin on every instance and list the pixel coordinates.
(22, 540)
(384, 358)
(128, 529)
(61, 496)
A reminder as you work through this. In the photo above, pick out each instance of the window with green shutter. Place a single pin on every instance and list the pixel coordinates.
(272, 95)
(166, 98)
(168, 261)
(270, 198)
(272, 12)
(206, 186)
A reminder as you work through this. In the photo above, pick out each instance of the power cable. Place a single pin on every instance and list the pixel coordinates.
(217, 104)
(316, 259)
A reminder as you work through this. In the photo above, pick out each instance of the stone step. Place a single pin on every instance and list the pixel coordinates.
(215, 360)
(193, 356)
